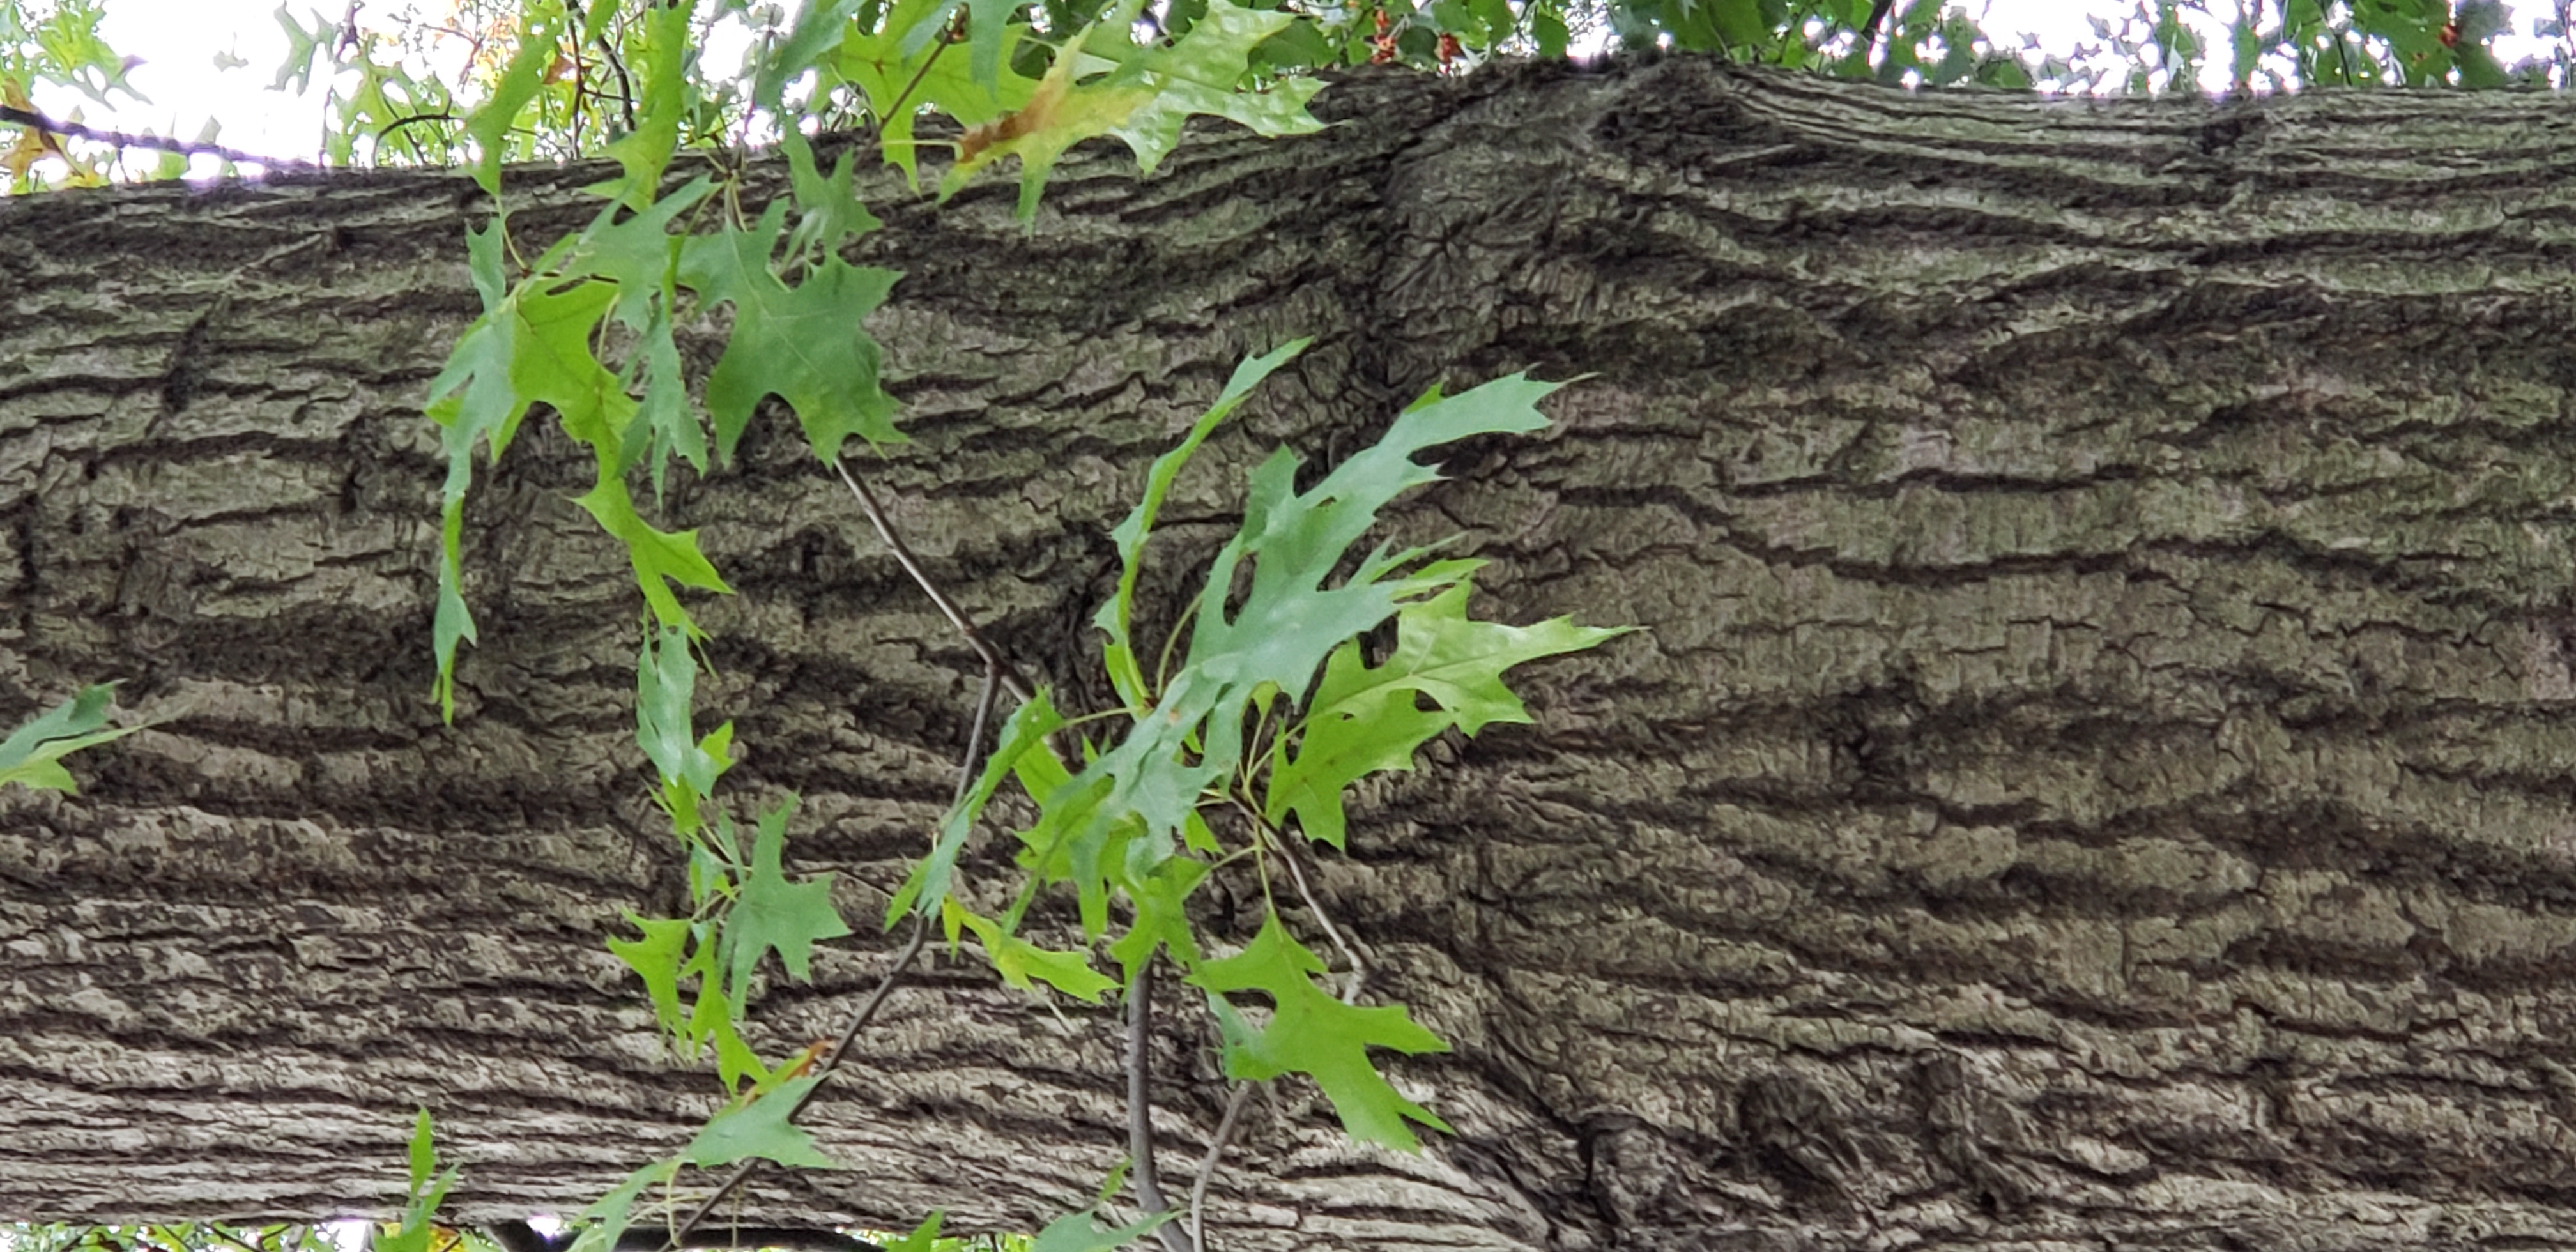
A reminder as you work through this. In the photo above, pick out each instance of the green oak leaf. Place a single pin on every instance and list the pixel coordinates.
(1115, 616)
(665, 423)
(988, 26)
(1312, 1033)
(1363, 718)
(422, 1197)
(817, 29)
(302, 47)
(1019, 961)
(32, 754)
(1161, 899)
(659, 557)
(657, 959)
(636, 251)
(802, 343)
(607, 1217)
(532, 345)
(1130, 803)
(713, 1018)
(924, 1237)
(775, 914)
(665, 684)
(473, 401)
(1203, 73)
(828, 211)
(661, 104)
(1081, 1232)
(1024, 736)
(759, 1127)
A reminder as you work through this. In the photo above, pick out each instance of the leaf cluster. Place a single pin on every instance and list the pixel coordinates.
(1273, 711)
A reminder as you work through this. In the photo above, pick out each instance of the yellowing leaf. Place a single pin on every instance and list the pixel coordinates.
(33, 144)
(892, 61)
(1058, 115)
(1105, 85)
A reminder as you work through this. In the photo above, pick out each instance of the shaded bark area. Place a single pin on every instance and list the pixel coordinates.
(2096, 772)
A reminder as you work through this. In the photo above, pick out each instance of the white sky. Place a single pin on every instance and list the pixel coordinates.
(179, 41)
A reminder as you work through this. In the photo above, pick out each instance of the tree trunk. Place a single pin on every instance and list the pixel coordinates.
(2097, 772)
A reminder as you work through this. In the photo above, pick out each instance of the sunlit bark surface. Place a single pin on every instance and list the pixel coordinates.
(2096, 773)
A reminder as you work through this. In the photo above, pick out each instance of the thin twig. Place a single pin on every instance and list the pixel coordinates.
(994, 662)
(885, 986)
(858, 1022)
(625, 85)
(917, 75)
(1297, 874)
(1140, 1106)
(1234, 1105)
(121, 139)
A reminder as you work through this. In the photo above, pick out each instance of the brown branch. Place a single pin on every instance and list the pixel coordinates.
(1140, 1106)
(994, 662)
(121, 139)
(1215, 1153)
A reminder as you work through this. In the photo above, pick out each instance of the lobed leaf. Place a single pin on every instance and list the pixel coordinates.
(1019, 961)
(661, 104)
(1106, 85)
(1364, 719)
(490, 123)
(1116, 615)
(1081, 1232)
(32, 754)
(1312, 1033)
(1024, 735)
(759, 1127)
(607, 1217)
(906, 65)
(658, 958)
(774, 914)
(803, 344)
(665, 684)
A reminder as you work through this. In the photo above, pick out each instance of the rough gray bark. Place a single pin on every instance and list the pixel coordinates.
(2097, 774)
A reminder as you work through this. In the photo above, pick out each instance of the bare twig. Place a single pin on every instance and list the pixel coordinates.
(1140, 1106)
(1297, 874)
(121, 139)
(625, 85)
(1216, 1151)
(994, 662)
(878, 126)
(413, 120)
